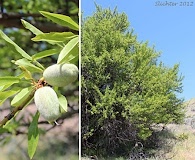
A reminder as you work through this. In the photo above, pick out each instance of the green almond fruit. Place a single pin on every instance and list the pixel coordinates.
(60, 75)
(47, 103)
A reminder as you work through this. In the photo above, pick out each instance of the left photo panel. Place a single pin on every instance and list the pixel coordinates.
(39, 79)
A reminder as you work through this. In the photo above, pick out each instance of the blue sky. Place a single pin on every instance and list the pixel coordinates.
(170, 28)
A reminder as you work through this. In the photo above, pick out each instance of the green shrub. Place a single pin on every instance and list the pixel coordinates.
(125, 89)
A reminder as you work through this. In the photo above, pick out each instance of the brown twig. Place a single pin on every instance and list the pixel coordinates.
(15, 110)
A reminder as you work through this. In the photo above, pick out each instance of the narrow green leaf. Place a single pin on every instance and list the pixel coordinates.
(3, 130)
(8, 80)
(54, 37)
(72, 58)
(45, 53)
(30, 27)
(21, 75)
(26, 74)
(28, 65)
(11, 125)
(39, 65)
(61, 20)
(2, 88)
(6, 94)
(14, 46)
(71, 48)
(33, 136)
(21, 97)
(63, 102)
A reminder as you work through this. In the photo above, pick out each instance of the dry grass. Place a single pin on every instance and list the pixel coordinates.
(184, 148)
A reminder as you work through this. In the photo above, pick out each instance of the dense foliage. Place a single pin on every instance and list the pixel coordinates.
(10, 23)
(125, 89)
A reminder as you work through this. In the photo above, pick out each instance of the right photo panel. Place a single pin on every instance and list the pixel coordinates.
(137, 80)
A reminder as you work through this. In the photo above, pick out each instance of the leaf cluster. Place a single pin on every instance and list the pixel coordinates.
(29, 11)
(21, 88)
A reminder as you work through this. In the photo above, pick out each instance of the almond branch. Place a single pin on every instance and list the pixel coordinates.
(15, 110)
